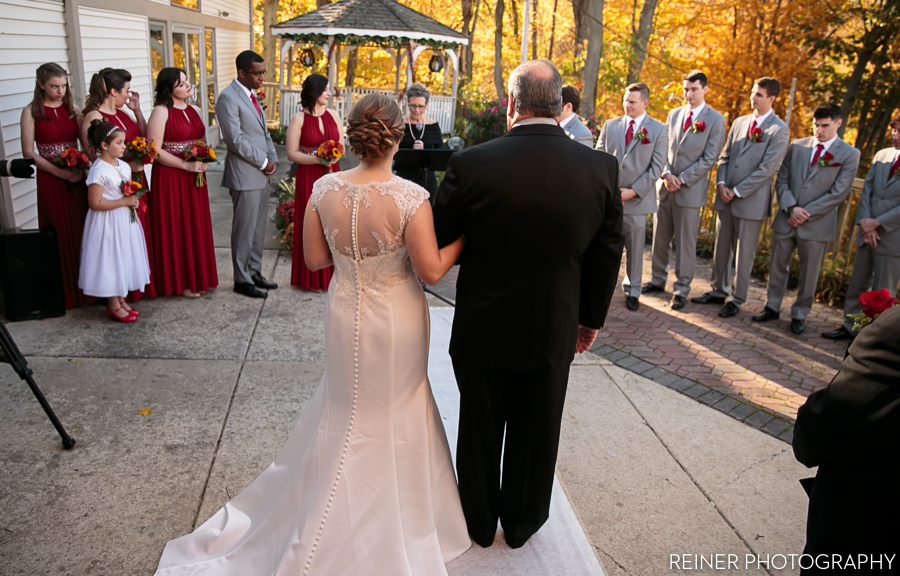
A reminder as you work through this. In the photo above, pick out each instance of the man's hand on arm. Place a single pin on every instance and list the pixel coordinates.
(586, 337)
(673, 183)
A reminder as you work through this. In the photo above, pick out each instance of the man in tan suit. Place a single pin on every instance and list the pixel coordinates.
(814, 179)
(877, 264)
(639, 144)
(696, 133)
(753, 151)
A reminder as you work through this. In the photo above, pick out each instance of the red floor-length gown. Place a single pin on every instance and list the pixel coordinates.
(184, 256)
(310, 138)
(61, 206)
(132, 131)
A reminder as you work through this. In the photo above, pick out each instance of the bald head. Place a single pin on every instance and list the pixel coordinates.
(535, 89)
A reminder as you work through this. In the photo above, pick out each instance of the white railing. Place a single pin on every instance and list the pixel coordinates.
(441, 108)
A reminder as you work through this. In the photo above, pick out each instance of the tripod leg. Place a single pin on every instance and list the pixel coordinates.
(67, 441)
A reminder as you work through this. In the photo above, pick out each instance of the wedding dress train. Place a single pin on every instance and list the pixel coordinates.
(364, 485)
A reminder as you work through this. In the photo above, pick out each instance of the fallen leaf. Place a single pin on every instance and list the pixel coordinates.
(77, 361)
(308, 300)
(144, 411)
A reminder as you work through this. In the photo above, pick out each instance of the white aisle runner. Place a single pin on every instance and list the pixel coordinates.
(560, 547)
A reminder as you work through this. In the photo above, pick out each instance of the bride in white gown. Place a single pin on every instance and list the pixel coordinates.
(364, 485)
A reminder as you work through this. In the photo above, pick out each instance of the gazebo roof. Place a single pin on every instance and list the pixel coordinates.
(372, 18)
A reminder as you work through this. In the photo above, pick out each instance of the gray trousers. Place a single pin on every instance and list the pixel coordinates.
(248, 232)
(634, 227)
(682, 225)
(736, 241)
(871, 271)
(810, 253)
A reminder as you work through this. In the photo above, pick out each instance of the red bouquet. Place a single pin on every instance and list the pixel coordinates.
(73, 159)
(199, 151)
(134, 189)
(143, 150)
(698, 126)
(873, 303)
(826, 160)
(330, 151)
(756, 134)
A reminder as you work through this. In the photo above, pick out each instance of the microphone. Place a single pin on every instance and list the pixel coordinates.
(419, 126)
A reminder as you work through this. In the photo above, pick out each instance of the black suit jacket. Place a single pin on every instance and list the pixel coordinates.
(542, 216)
(851, 431)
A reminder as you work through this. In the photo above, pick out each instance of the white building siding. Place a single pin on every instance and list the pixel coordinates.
(117, 40)
(229, 43)
(32, 32)
(238, 10)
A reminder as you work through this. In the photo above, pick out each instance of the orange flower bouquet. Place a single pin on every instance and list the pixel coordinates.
(134, 189)
(143, 150)
(199, 151)
(72, 159)
(330, 151)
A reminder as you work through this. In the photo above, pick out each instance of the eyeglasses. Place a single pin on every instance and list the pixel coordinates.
(418, 106)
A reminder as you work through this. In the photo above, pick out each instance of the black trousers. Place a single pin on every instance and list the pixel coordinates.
(528, 407)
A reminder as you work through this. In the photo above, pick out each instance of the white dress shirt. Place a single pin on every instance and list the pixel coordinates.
(565, 121)
(759, 122)
(247, 92)
(637, 122)
(533, 120)
(684, 114)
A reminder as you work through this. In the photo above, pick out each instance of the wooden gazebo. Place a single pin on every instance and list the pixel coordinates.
(338, 28)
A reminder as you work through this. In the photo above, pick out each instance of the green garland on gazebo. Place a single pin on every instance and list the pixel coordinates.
(397, 42)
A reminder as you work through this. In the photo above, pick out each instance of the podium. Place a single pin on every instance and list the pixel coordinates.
(418, 163)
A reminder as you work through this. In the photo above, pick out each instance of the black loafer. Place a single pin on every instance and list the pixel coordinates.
(651, 287)
(261, 282)
(249, 290)
(839, 334)
(766, 315)
(729, 309)
(678, 302)
(797, 326)
(708, 298)
(631, 302)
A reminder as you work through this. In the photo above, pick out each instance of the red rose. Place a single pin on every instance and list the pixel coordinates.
(827, 157)
(876, 301)
(699, 126)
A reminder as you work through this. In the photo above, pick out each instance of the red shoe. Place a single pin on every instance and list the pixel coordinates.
(127, 319)
(134, 312)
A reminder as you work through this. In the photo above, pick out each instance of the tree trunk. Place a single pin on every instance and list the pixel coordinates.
(464, 50)
(499, 85)
(270, 18)
(591, 73)
(350, 77)
(552, 31)
(534, 30)
(641, 40)
(320, 3)
(582, 27)
(470, 47)
(515, 18)
(870, 44)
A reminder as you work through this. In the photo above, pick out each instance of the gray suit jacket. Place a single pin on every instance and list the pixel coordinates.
(880, 199)
(640, 165)
(578, 132)
(749, 166)
(817, 189)
(246, 138)
(692, 154)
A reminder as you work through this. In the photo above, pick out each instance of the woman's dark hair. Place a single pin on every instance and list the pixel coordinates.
(312, 88)
(44, 73)
(101, 132)
(166, 81)
(374, 126)
(101, 83)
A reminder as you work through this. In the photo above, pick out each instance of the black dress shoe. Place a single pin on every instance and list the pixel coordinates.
(766, 315)
(839, 334)
(249, 290)
(708, 298)
(262, 282)
(678, 302)
(631, 302)
(797, 326)
(729, 309)
(651, 287)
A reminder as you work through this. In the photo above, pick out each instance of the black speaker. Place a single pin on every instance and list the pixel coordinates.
(30, 275)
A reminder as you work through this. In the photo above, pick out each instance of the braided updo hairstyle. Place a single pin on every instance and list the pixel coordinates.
(374, 126)
(101, 132)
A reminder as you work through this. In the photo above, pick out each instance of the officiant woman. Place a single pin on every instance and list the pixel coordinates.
(420, 133)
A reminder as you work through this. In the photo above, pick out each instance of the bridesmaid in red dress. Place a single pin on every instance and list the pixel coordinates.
(310, 127)
(53, 123)
(110, 91)
(185, 260)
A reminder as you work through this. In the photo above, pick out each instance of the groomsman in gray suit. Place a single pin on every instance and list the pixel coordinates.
(753, 151)
(877, 264)
(814, 179)
(250, 163)
(639, 144)
(696, 133)
(568, 117)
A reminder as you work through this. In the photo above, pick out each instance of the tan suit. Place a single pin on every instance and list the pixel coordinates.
(746, 166)
(640, 166)
(691, 155)
(877, 268)
(819, 190)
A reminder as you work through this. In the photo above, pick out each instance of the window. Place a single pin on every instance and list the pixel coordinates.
(157, 49)
(186, 54)
(194, 4)
(211, 88)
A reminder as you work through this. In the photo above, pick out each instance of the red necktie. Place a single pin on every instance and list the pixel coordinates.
(688, 122)
(894, 167)
(629, 134)
(255, 103)
(815, 159)
(752, 127)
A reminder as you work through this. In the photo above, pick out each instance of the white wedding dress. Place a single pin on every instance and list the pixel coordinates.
(364, 485)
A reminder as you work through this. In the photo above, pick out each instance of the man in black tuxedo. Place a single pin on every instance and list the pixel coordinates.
(542, 216)
(851, 431)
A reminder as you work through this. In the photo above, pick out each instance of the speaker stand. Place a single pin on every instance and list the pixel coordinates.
(10, 354)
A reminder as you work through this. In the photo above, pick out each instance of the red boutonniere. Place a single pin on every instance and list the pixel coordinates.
(826, 160)
(756, 134)
(261, 99)
(698, 126)
(642, 135)
(873, 303)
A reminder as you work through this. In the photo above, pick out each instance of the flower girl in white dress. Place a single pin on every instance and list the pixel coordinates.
(113, 250)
